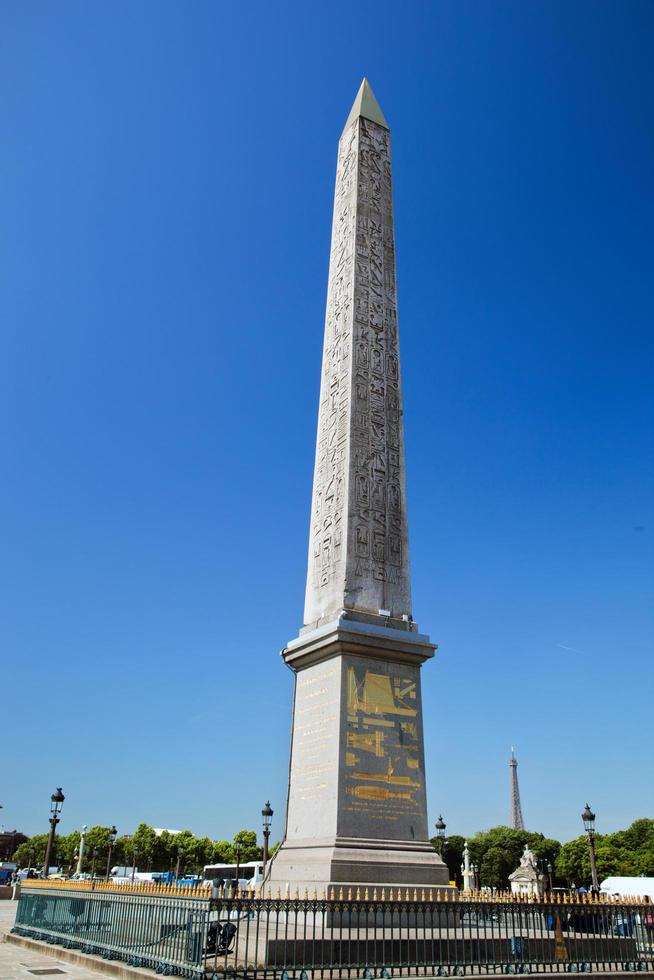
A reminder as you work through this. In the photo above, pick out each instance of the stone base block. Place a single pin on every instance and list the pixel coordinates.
(357, 864)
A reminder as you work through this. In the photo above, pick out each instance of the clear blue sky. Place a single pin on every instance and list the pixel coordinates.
(166, 181)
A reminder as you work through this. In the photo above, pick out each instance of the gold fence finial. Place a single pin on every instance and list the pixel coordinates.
(358, 896)
(349, 894)
(374, 894)
(422, 895)
(340, 895)
(383, 894)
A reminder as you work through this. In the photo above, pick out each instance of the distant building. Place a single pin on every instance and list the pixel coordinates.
(10, 840)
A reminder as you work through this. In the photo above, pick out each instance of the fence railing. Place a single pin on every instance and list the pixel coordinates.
(188, 933)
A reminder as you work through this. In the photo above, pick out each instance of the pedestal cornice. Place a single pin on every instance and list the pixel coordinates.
(362, 639)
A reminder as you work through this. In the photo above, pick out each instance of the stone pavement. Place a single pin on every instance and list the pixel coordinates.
(17, 963)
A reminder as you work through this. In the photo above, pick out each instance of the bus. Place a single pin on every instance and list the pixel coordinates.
(250, 873)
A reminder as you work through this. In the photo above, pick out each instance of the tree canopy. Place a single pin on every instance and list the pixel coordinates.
(147, 850)
(627, 852)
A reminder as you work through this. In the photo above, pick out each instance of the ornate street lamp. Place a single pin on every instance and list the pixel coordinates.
(588, 818)
(440, 834)
(56, 803)
(180, 852)
(550, 875)
(113, 833)
(267, 814)
(237, 847)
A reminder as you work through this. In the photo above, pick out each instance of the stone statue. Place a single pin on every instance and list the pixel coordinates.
(527, 879)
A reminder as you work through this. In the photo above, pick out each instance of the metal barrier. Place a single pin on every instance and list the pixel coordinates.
(185, 932)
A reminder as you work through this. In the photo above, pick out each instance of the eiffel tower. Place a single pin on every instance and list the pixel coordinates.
(517, 820)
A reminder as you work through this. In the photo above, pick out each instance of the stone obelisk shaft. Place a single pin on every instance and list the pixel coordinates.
(357, 804)
(358, 550)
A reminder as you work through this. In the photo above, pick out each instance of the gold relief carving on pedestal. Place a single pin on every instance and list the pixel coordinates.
(382, 750)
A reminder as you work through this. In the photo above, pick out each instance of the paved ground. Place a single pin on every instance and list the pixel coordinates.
(23, 964)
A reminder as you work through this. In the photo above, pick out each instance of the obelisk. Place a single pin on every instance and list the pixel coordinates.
(357, 810)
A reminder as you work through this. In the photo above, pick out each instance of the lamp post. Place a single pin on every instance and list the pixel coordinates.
(30, 857)
(56, 803)
(267, 814)
(93, 853)
(135, 854)
(237, 847)
(180, 852)
(475, 871)
(550, 876)
(59, 862)
(588, 818)
(440, 834)
(113, 833)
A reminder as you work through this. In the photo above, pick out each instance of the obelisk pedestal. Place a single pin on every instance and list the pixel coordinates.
(357, 809)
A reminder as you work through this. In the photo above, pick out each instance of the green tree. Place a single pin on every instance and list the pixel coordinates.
(222, 852)
(627, 852)
(37, 846)
(452, 854)
(250, 850)
(497, 852)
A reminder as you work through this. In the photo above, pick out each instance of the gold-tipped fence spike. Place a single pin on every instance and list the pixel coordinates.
(438, 895)
(415, 894)
(278, 894)
(340, 895)
(374, 894)
(366, 895)
(358, 895)
(390, 895)
(422, 895)
(315, 894)
(383, 894)
(407, 896)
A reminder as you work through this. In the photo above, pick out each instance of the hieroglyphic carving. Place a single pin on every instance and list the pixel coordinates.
(358, 556)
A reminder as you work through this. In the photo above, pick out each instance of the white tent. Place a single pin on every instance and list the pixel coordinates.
(628, 886)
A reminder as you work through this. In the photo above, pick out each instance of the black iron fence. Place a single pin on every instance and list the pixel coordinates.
(188, 933)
